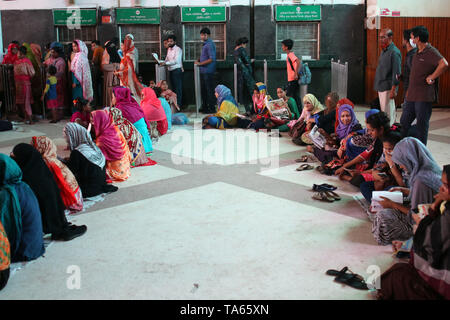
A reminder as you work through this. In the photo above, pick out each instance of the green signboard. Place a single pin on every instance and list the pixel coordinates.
(137, 16)
(298, 13)
(203, 14)
(73, 17)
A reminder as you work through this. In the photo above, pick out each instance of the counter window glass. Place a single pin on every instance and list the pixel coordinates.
(193, 43)
(146, 39)
(305, 36)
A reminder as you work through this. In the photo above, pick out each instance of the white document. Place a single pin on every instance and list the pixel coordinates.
(317, 138)
(395, 196)
(155, 55)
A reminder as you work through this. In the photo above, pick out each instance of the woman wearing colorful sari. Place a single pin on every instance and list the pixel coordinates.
(56, 59)
(81, 72)
(427, 275)
(110, 63)
(113, 145)
(5, 257)
(395, 222)
(19, 213)
(154, 113)
(12, 55)
(37, 175)
(68, 186)
(86, 161)
(127, 73)
(311, 106)
(133, 137)
(131, 110)
(259, 110)
(169, 95)
(225, 117)
(23, 73)
(36, 81)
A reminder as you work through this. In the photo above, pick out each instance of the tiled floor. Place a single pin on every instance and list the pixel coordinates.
(210, 226)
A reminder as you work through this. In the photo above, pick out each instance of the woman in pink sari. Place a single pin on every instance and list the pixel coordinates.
(169, 95)
(127, 73)
(81, 72)
(56, 59)
(23, 72)
(154, 113)
(113, 145)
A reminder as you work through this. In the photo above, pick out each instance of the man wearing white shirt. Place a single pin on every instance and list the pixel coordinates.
(175, 66)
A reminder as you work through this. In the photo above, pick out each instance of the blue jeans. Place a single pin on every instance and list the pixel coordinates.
(421, 111)
(176, 79)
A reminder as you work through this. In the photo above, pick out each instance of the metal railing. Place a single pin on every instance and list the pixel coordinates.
(198, 93)
(160, 73)
(8, 88)
(339, 78)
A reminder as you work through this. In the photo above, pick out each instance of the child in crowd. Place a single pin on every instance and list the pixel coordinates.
(165, 105)
(169, 95)
(152, 84)
(50, 93)
(83, 114)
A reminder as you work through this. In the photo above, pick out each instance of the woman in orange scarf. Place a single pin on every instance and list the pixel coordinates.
(127, 73)
(154, 113)
(66, 181)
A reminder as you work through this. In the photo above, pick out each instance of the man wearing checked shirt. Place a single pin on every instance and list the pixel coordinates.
(175, 66)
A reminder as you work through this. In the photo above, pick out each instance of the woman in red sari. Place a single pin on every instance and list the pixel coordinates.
(154, 113)
(23, 72)
(127, 73)
(11, 56)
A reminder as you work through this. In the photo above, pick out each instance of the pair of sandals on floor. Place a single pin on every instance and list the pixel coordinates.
(305, 166)
(325, 192)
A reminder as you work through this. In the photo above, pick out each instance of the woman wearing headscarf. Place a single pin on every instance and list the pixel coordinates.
(341, 103)
(110, 63)
(311, 106)
(36, 174)
(427, 275)
(259, 110)
(133, 137)
(225, 117)
(81, 72)
(326, 118)
(36, 80)
(20, 214)
(5, 257)
(23, 73)
(169, 95)
(56, 59)
(154, 113)
(395, 221)
(348, 124)
(12, 54)
(127, 70)
(113, 145)
(86, 161)
(131, 110)
(67, 184)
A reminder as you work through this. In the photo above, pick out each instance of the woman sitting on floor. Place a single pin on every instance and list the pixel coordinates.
(395, 222)
(165, 106)
(154, 113)
(225, 117)
(19, 214)
(281, 125)
(426, 276)
(133, 137)
(83, 114)
(325, 119)
(260, 112)
(298, 128)
(36, 174)
(377, 126)
(5, 257)
(86, 161)
(385, 173)
(348, 124)
(113, 145)
(64, 178)
(169, 95)
(131, 110)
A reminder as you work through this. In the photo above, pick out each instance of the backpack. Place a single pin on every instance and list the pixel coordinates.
(304, 73)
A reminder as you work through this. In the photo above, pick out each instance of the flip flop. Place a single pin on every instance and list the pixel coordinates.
(333, 194)
(353, 280)
(303, 158)
(321, 196)
(304, 167)
(332, 272)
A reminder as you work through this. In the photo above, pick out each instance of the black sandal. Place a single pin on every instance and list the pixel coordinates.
(352, 279)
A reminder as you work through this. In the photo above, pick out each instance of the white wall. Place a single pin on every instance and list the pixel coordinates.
(49, 4)
(415, 8)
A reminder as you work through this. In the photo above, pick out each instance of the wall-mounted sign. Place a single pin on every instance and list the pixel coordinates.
(64, 17)
(203, 14)
(138, 16)
(298, 13)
